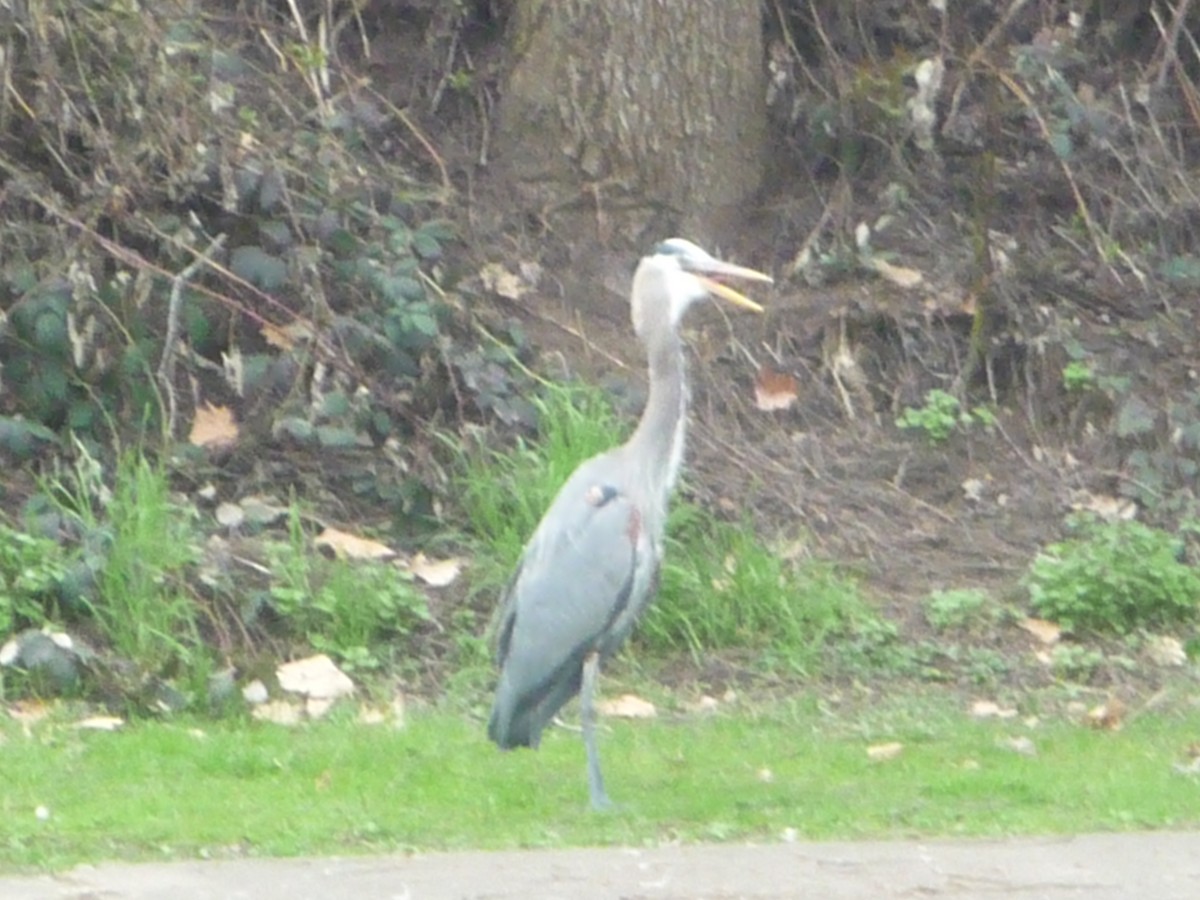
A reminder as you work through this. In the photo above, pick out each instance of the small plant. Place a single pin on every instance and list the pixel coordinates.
(345, 609)
(1115, 577)
(145, 540)
(31, 568)
(1075, 662)
(722, 588)
(985, 666)
(1078, 376)
(941, 415)
(958, 608)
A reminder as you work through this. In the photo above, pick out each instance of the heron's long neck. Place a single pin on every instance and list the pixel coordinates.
(657, 444)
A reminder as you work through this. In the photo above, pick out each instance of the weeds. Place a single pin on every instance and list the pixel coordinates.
(941, 415)
(141, 601)
(346, 610)
(961, 608)
(31, 569)
(1115, 577)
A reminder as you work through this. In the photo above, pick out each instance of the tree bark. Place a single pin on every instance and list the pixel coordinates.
(638, 118)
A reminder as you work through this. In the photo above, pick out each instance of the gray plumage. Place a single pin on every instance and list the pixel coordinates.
(591, 567)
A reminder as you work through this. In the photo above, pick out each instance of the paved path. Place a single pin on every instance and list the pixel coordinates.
(1158, 866)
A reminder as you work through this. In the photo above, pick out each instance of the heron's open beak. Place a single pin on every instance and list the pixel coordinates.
(714, 273)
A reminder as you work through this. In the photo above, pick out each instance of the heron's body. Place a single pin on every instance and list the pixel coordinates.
(591, 567)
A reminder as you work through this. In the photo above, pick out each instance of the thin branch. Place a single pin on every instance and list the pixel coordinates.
(166, 366)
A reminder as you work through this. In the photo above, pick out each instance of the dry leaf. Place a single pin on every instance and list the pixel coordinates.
(705, 705)
(897, 275)
(435, 572)
(392, 714)
(315, 676)
(1108, 508)
(765, 775)
(627, 706)
(281, 712)
(285, 337)
(1022, 745)
(213, 427)
(973, 489)
(1046, 632)
(29, 712)
(988, 709)
(502, 282)
(884, 752)
(1166, 651)
(774, 390)
(350, 546)
(1109, 716)
(100, 723)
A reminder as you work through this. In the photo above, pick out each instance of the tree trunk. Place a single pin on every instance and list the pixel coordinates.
(631, 120)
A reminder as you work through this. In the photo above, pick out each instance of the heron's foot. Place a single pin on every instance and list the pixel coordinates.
(602, 804)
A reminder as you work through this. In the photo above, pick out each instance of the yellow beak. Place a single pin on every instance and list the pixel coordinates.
(725, 292)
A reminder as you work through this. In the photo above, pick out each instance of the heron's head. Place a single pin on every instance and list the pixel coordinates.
(676, 275)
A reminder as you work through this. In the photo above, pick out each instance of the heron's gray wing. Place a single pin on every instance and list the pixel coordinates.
(586, 569)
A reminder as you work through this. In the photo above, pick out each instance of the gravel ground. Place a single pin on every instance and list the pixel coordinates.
(1156, 866)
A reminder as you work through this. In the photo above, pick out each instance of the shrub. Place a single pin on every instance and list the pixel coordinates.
(1115, 577)
(31, 569)
(958, 608)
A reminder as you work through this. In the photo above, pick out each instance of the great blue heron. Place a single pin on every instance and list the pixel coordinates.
(591, 567)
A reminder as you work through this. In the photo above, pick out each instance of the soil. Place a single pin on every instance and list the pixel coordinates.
(1164, 866)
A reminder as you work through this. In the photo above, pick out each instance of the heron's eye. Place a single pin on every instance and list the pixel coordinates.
(670, 247)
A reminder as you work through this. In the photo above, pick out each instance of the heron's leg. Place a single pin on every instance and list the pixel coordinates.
(587, 701)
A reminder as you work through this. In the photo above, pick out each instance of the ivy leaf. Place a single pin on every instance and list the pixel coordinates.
(258, 267)
(50, 331)
(336, 437)
(438, 229)
(1136, 417)
(1185, 269)
(426, 245)
(22, 438)
(1060, 143)
(342, 242)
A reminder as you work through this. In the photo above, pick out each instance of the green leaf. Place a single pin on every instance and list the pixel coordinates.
(22, 438)
(1060, 143)
(1184, 269)
(426, 246)
(81, 415)
(258, 267)
(342, 242)
(424, 323)
(398, 289)
(50, 331)
(276, 232)
(294, 427)
(1136, 417)
(438, 229)
(334, 404)
(337, 437)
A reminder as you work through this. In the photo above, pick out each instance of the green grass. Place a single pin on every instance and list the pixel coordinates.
(145, 541)
(180, 789)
